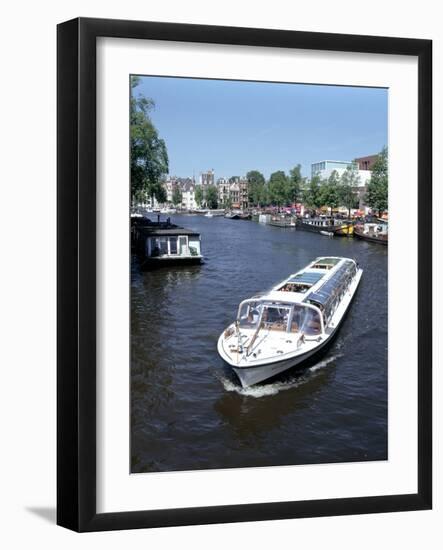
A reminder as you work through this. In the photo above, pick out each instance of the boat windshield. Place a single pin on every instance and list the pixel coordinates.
(276, 317)
(271, 316)
(295, 318)
(249, 314)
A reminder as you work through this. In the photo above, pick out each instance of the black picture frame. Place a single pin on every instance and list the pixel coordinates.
(76, 281)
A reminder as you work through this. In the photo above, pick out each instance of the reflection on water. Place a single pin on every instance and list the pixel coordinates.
(188, 410)
(251, 411)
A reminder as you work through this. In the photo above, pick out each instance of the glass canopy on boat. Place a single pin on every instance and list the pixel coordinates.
(301, 282)
(326, 263)
(330, 293)
(307, 277)
(284, 317)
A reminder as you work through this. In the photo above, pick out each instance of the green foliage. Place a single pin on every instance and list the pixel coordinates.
(329, 192)
(283, 189)
(347, 189)
(294, 184)
(177, 196)
(160, 193)
(211, 196)
(256, 187)
(377, 192)
(198, 195)
(312, 193)
(278, 184)
(149, 156)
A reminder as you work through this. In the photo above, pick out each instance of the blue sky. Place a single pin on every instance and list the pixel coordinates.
(235, 126)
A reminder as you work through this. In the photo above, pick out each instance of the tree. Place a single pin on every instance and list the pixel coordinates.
(312, 195)
(377, 192)
(329, 191)
(278, 183)
(149, 156)
(294, 184)
(349, 182)
(256, 186)
(265, 199)
(177, 196)
(212, 196)
(160, 193)
(198, 195)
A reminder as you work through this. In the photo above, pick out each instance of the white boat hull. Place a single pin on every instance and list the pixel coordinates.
(249, 376)
(254, 374)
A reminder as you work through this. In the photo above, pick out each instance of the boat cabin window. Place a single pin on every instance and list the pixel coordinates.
(163, 245)
(249, 315)
(159, 246)
(173, 245)
(306, 320)
(271, 317)
(276, 317)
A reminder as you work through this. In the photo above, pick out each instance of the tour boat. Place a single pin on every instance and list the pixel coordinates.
(291, 323)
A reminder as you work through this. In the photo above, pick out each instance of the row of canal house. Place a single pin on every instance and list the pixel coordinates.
(234, 191)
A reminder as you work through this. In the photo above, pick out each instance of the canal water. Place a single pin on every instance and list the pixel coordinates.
(189, 412)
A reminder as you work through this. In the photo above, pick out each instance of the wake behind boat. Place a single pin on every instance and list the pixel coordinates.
(293, 321)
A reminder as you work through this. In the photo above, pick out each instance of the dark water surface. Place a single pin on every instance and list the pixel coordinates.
(189, 411)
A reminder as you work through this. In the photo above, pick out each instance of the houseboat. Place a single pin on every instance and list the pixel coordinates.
(282, 221)
(374, 232)
(291, 323)
(162, 243)
(325, 224)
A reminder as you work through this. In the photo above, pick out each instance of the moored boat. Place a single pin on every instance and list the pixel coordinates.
(282, 221)
(323, 224)
(291, 323)
(233, 215)
(237, 215)
(373, 232)
(168, 210)
(161, 244)
(345, 229)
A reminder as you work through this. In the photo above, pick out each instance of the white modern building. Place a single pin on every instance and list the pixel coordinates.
(324, 169)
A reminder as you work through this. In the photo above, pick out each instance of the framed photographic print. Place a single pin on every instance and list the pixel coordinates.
(244, 274)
